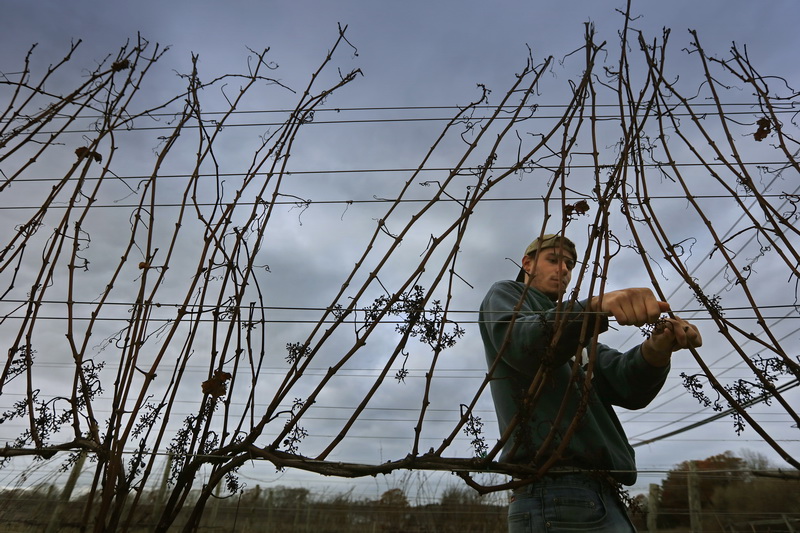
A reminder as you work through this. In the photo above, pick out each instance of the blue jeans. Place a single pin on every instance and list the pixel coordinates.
(567, 502)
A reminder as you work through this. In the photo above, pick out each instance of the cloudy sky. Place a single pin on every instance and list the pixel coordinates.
(419, 61)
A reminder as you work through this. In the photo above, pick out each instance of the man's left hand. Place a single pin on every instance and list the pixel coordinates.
(670, 335)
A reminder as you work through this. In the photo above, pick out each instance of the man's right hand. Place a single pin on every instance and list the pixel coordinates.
(630, 307)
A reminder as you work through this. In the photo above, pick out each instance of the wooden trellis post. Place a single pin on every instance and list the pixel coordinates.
(695, 518)
(652, 507)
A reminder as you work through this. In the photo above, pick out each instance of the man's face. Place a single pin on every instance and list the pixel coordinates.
(551, 270)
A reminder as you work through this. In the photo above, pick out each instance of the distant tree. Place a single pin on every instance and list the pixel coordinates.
(392, 511)
(756, 499)
(465, 510)
(755, 460)
(289, 498)
(716, 472)
(458, 496)
(394, 498)
(639, 511)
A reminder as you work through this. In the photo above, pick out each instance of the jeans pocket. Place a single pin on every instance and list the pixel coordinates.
(520, 523)
(573, 506)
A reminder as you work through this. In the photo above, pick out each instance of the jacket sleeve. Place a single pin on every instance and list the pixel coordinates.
(531, 335)
(626, 379)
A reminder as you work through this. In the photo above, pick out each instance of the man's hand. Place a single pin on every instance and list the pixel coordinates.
(670, 335)
(630, 307)
(637, 307)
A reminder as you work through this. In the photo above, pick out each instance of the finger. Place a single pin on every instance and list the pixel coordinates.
(613, 305)
(679, 334)
(620, 315)
(647, 308)
(653, 308)
(686, 335)
(664, 329)
(662, 337)
(695, 340)
(624, 311)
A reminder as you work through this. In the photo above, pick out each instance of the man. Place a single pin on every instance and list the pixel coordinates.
(534, 340)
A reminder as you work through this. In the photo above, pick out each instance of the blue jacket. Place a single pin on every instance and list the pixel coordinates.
(621, 379)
